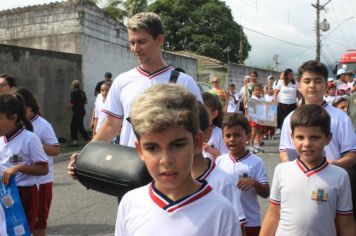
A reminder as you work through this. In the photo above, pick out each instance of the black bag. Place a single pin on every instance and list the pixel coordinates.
(110, 168)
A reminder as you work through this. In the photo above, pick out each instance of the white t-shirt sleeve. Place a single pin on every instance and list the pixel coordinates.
(2, 222)
(275, 196)
(261, 175)
(36, 149)
(346, 136)
(190, 84)
(120, 219)
(48, 136)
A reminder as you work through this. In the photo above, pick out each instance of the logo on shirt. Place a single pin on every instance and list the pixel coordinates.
(15, 158)
(319, 195)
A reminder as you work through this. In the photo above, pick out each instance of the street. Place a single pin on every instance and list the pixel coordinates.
(78, 211)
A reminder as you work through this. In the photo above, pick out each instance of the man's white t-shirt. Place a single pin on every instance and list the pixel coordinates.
(343, 135)
(128, 85)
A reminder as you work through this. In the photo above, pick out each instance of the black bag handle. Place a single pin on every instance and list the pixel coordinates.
(174, 76)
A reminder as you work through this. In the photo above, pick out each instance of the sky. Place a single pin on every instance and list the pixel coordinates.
(282, 28)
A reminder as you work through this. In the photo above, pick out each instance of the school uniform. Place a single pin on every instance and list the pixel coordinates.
(25, 148)
(249, 165)
(310, 198)
(343, 135)
(128, 85)
(233, 102)
(43, 129)
(147, 211)
(98, 111)
(222, 183)
(216, 140)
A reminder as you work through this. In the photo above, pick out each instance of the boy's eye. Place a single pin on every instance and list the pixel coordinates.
(178, 145)
(151, 148)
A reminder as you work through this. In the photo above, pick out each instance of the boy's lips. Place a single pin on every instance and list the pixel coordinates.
(168, 175)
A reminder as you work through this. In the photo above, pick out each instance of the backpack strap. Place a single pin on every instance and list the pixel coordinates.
(174, 76)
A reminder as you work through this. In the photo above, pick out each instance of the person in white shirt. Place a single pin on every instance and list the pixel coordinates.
(99, 115)
(233, 99)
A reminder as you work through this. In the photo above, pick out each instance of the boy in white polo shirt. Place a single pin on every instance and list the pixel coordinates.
(309, 196)
(165, 122)
(246, 169)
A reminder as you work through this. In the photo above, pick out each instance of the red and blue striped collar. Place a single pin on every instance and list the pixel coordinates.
(207, 172)
(154, 74)
(8, 138)
(309, 172)
(170, 206)
(233, 159)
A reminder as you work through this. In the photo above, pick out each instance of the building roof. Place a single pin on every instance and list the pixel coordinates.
(204, 61)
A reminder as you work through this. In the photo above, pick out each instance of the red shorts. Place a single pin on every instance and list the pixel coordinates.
(45, 199)
(30, 199)
(254, 124)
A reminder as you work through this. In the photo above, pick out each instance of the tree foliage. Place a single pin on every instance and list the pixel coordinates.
(202, 26)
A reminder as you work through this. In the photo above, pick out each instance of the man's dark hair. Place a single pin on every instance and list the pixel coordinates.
(235, 119)
(313, 67)
(204, 122)
(311, 115)
(108, 75)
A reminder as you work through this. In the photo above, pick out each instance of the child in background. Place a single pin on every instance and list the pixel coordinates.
(44, 130)
(21, 154)
(330, 94)
(256, 128)
(215, 146)
(99, 115)
(205, 169)
(246, 169)
(268, 131)
(341, 103)
(309, 196)
(165, 122)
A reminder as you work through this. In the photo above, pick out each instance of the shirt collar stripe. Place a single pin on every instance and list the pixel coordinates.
(240, 159)
(324, 104)
(8, 139)
(309, 172)
(35, 117)
(206, 189)
(207, 172)
(168, 205)
(154, 74)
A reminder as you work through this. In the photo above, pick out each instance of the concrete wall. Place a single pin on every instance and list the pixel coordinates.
(190, 65)
(48, 75)
(236, 74)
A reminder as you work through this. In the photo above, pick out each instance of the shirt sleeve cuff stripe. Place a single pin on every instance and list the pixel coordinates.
(112, 114)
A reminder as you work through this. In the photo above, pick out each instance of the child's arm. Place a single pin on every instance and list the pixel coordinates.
(38, 168)
(346, 161)
(271, 220)
(345, 225)
(245, 183)
(51, 150)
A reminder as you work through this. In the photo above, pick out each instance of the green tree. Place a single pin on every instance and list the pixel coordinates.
(202, 26)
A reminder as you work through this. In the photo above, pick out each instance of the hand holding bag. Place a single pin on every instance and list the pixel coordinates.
(110, 168)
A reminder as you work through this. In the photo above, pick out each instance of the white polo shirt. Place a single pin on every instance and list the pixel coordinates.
(128, 85)
(310, 198)
(44, 130)
(249, 165)
(343, 135)
(146, 211)
(216, 140)
(223, 184)
(25, 148)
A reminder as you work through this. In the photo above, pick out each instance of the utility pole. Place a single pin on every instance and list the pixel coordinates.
(318, 8)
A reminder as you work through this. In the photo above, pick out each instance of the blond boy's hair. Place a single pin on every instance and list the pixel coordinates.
(163, 106)
(148, 21)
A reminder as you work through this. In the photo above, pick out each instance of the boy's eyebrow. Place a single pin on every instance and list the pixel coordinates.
(173, 141)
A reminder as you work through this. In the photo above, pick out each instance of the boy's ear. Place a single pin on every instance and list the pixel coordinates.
(198, 142)
(328, 138)
(139, 149)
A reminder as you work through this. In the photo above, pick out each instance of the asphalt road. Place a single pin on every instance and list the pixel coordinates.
(78, 211)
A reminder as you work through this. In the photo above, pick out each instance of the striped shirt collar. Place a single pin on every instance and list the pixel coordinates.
(154, 74)
(234, 159)
(207, 172)
(35, 117)
(8, 138)
(309, 172)
(170, 206)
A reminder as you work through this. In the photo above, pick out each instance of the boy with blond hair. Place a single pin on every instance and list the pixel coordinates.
(165, 122)
(309, 196)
